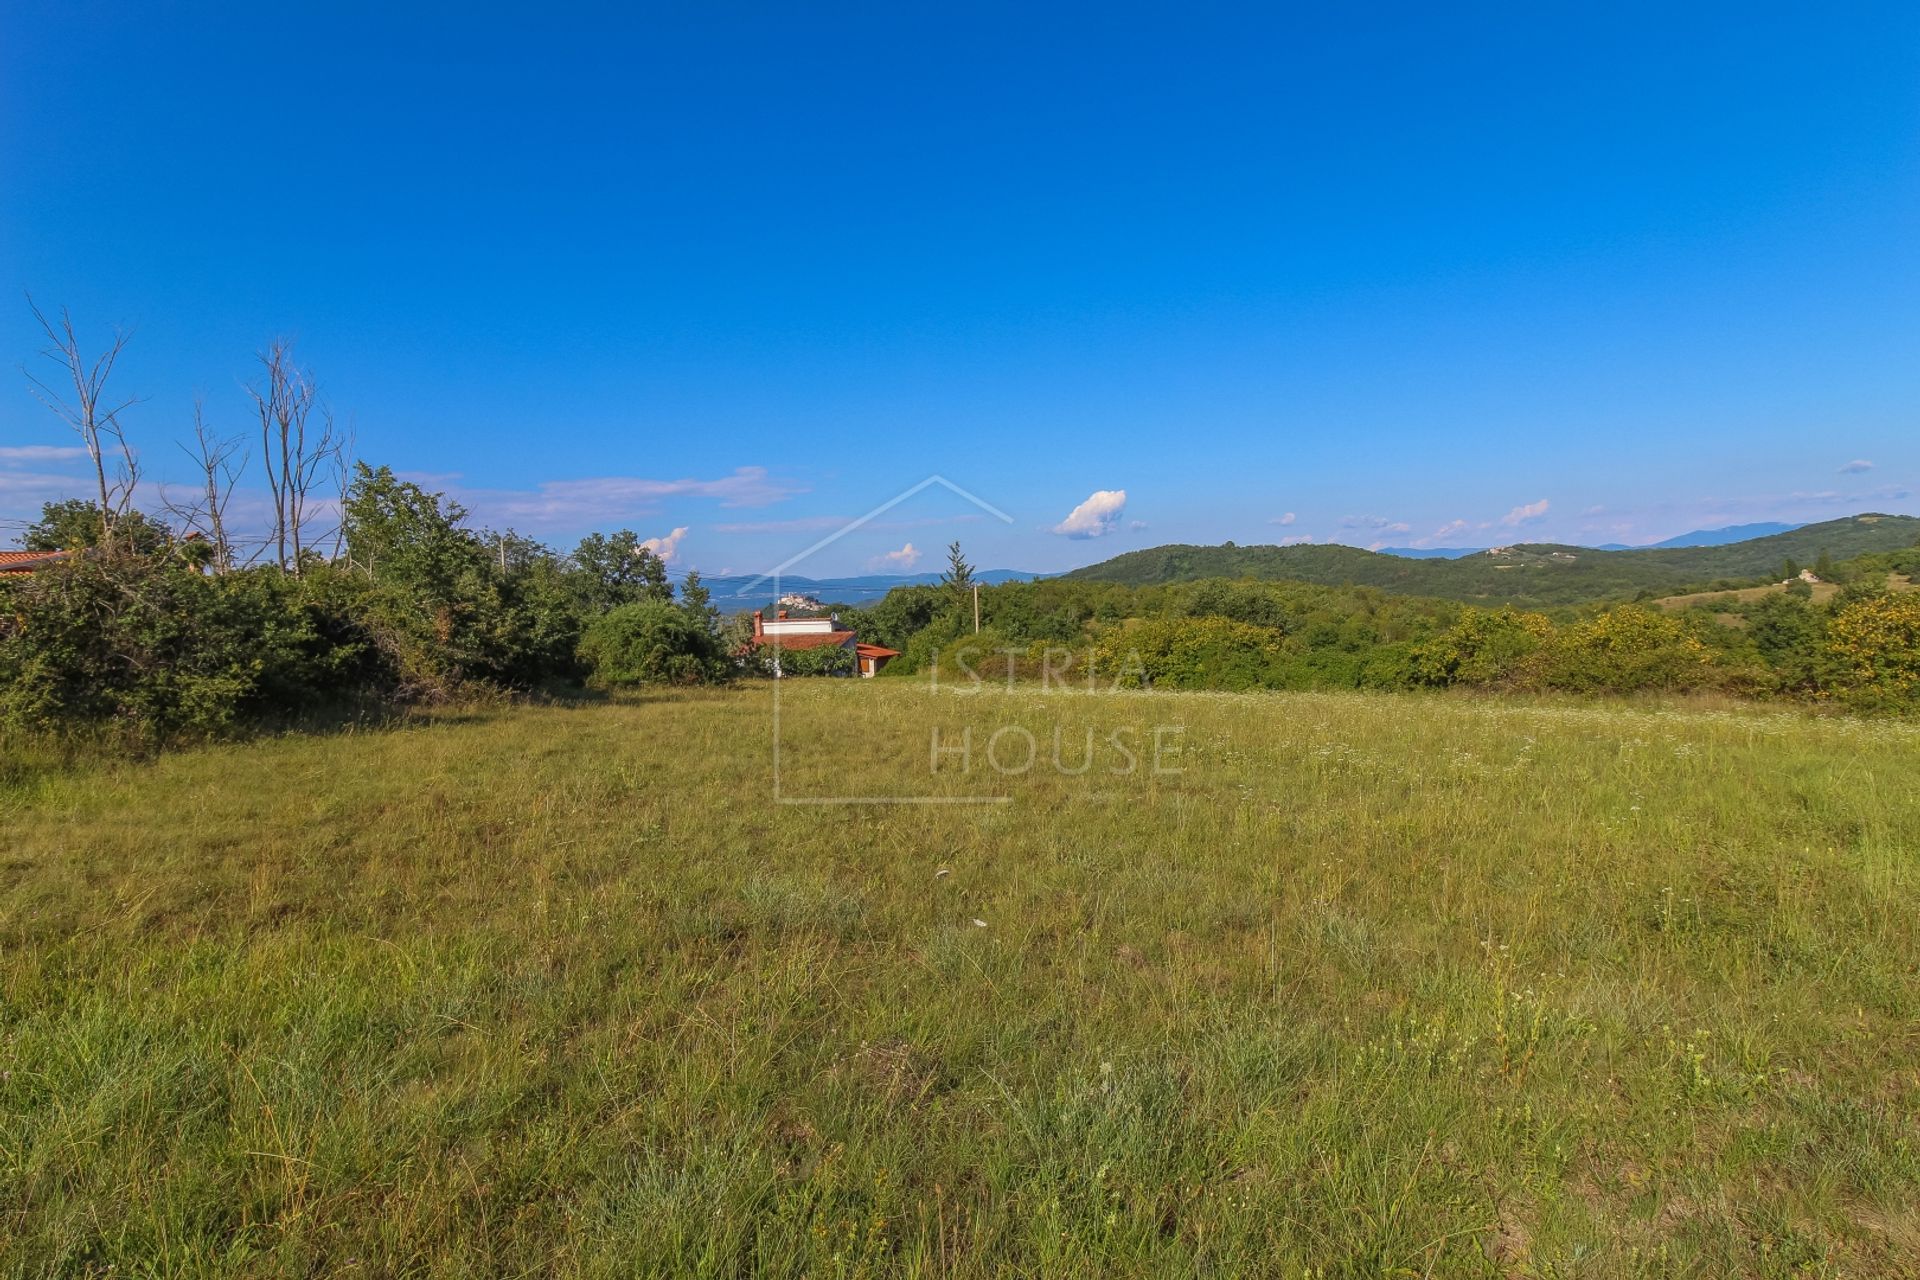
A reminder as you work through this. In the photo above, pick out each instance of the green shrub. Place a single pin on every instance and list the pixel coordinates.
(1484, 647)
(1873, 651)
(149, 647)
(651, 643)
(1191, 653)
(1625, 650)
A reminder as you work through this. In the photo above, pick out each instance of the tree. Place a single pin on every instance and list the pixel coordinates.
(75, 525)
(206, 513)
(617, 570)
(698, 602)
(439, 605)
(295, 462)
(958, 579)
(398, 532)
(82, 402)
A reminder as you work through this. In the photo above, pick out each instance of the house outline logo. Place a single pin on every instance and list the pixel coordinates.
(773, 575)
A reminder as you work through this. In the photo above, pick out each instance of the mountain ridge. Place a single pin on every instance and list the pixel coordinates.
(1525, 573)
(1692, 538)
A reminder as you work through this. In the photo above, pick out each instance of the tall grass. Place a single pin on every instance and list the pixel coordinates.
(1371, 986)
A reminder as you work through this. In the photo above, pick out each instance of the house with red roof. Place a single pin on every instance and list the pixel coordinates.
(788, 634)
(19, 564)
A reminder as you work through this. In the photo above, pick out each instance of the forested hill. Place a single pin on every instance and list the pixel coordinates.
(1539, 573)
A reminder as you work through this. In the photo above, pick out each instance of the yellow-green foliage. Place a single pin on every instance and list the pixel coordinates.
(1485, 647)
(1189, 653)
(1372, 986)
(1626, 650)
(1874, 645)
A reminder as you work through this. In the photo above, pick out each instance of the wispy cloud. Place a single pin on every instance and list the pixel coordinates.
(903, 559)
(1284, 520)
(1379, 524)
(41, 453)
(1855, 467)
(817, 524)
(615, 498)
(799, 524)
(34, 483)
(665, 547)
(1525, 514)
(1296, 540)
(1094, 517)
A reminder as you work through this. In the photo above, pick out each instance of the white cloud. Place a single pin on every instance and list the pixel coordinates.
(1451, 529)
(903, 559)
(1297, 539)
(1853, 468)
(1096, 516)
(41, 453)
(1136, 526)
(666, 548)
(1286, 519)
(1523, 515)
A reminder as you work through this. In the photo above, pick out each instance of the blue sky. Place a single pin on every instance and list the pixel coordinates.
(1400, 275)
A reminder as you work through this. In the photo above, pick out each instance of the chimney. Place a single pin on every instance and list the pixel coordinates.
(759, 625)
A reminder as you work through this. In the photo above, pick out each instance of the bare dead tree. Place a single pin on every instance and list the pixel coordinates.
(295, 460)
(78, 394)
(219, 474)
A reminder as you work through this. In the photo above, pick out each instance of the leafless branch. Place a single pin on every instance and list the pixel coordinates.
(78, 395)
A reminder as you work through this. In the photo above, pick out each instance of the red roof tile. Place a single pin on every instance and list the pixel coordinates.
(807, 639)
(24, 562)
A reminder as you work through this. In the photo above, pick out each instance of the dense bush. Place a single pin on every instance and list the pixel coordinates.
(1625, 650)
(1191, 653)
(821, 660)
(151, 647)
(652, 642)
(439, 603)
(1873, 646)
(1483, 648)
(144, 639)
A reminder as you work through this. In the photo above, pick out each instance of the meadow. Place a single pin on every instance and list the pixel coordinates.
(1352, 985)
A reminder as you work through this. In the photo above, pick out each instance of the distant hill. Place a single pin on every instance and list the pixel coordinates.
(1529, 573)
(1697, 538)
(1722, 537)
(739, 590)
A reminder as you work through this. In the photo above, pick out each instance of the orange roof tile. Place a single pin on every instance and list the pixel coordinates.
(807, 639)
(13, 563)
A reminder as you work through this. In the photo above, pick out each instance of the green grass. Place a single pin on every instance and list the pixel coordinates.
(1373, 986)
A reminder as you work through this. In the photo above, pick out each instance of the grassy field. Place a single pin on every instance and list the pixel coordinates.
(1353, 986)
(1822, 592)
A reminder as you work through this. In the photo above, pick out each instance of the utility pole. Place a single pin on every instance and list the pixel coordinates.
(976, 608)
